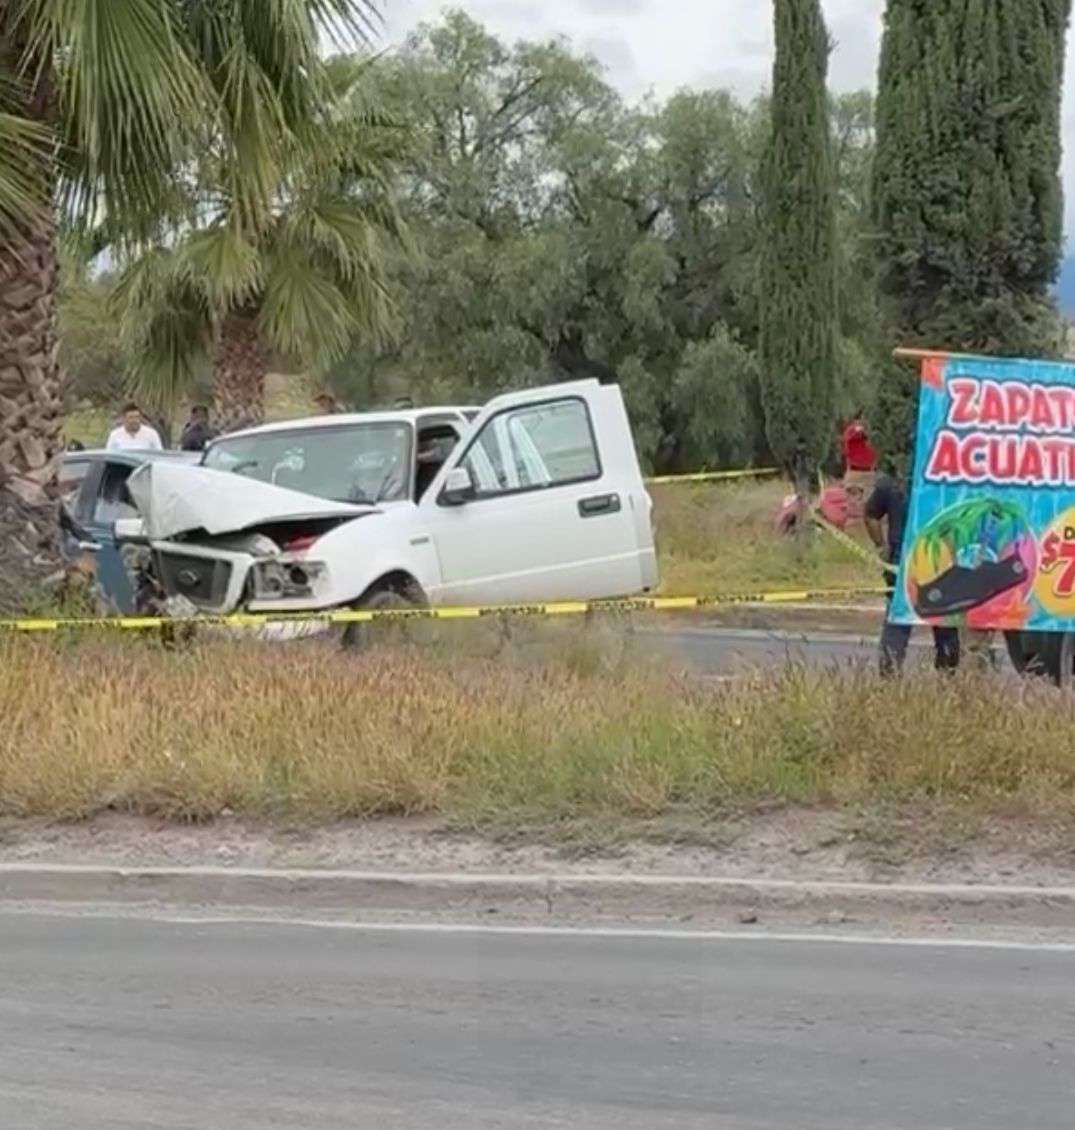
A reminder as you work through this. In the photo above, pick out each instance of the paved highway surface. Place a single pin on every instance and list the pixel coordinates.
(718, 651)
(111, 1024)
(723, 651)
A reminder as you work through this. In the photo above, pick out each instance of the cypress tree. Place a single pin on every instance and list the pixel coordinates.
(798, 305)
(967, 195)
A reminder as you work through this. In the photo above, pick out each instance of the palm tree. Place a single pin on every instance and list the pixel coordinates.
(23, 143)
(101, 107)
(305, 281)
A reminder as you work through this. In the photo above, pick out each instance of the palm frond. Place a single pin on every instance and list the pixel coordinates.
(145, 281)
(309, 248)
(166, 326)
(296, 28)
(340, 191)
(25, 146)
(251, 126)
(128, 94)
(175, 350)
(262, 58)
(304, 313)
(358, 129)
(137, 86)
(333, 231)
(223, 263)
(308, 314)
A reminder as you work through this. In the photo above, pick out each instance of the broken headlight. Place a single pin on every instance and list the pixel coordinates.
(280, 579)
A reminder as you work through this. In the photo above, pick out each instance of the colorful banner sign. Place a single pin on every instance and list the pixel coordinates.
(990, 534)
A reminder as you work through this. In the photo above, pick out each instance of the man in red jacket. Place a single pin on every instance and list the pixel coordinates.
(859, 453)
(860, 465)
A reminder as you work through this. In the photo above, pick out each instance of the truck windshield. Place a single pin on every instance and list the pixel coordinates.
(345, 463)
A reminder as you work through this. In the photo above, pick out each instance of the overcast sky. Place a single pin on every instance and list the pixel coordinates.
(661, 45)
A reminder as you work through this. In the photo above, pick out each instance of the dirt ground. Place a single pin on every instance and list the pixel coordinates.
(783, 844)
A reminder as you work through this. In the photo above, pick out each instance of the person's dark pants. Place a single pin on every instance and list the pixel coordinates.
(896, 637)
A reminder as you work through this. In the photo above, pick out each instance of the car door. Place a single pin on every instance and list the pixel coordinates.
(556, 506)
(111, 502)
(76, 483)
(77, 487)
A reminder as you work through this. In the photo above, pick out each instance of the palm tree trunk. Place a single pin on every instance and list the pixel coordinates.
(31, 388)
(239, 367)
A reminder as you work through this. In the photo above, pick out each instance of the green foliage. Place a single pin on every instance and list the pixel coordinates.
(24, 145)
(799, 253)
(710, 394)
(311, 270)
(564, 233)
(95, 353)
(861, 345)
(91, 353)
(966, 192)
(165, 326)
(134, 90)
(556, 232)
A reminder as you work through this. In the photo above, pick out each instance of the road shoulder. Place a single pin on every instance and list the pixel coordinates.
(802, 871)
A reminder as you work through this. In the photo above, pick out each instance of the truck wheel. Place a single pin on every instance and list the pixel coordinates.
(1049, 655)
(386, 598)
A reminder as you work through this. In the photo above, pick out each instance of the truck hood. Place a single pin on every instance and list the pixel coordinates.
(176, 499)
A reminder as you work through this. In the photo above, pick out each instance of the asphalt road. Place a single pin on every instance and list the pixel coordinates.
(719, 651)
(111, 1023)
(727, 651)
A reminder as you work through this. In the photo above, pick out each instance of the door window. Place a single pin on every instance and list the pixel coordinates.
(532, 448)
(113, 501)
(436, 443)
(72, 476)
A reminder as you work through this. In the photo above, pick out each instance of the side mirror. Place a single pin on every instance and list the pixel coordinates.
(129, 529)
(458, 488)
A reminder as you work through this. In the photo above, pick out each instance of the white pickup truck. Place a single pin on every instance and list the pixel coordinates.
(536, 497)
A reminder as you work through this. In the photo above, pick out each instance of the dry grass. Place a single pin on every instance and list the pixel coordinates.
(721, 538)
(301, 732)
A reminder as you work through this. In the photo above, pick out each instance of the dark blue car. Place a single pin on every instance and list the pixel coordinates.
(93, 487)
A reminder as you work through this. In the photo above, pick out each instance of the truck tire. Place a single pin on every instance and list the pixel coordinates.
(1045, 655)
(382, 598)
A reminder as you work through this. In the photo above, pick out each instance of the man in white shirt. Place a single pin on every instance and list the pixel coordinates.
(134, 434)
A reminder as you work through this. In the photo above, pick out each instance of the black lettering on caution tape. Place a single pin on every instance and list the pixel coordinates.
(608, 607)
(404, 614)
(621, 607)
(515, 610)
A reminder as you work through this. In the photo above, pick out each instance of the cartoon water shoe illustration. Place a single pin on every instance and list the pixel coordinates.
(977, 556)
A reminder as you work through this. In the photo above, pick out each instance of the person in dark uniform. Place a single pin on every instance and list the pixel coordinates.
(197, 432)
(886, 515)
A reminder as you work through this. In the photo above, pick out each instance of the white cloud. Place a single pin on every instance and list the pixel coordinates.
(661, 45)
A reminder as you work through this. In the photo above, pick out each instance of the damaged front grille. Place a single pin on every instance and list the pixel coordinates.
(202, 580)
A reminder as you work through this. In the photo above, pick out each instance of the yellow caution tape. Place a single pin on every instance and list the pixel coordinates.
(715, 476)
(762, 472)
(363, 616)
(855, 547)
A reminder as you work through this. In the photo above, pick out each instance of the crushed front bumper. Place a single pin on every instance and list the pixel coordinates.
(213, 580)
